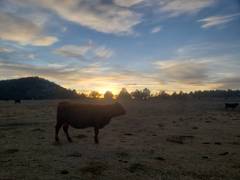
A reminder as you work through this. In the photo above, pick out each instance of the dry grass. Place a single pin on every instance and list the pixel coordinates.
(169, 139)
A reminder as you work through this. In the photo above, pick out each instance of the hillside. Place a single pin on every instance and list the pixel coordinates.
(33, 88)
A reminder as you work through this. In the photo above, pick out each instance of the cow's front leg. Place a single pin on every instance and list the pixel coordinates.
(96, 131)
(65, 128)
(57, 127)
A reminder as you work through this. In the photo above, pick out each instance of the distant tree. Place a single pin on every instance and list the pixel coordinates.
(141, 94)
(108, 95)
(124, 95)
(146, 93)
(137, 94)
(201, 94)
(74, 91)
(174, 94)
(181, 93)
(94, 95)
(163, 94)
(191, 94)
(82, 96)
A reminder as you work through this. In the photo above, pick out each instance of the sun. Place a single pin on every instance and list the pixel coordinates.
(103, 89)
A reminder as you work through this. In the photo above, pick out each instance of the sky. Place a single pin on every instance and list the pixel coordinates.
(170, 45)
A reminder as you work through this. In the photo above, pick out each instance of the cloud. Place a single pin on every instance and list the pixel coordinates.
(205, 49)
(85, 51)
(183, 71)
(44, 41)
(91, 77)
(103, 52)
(128, 3)
(156, 29)
(31, 56)
(64, 29)
(106, 16)
(213, 21)
(200, 71)
(179, 7)
(5, 50)
(23, 31)
(12, 70)
(73, 50)
(229, 83)
(171, 75)
(100, 15)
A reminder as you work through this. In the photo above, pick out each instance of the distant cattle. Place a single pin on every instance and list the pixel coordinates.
(17, 101)
(231, 105)
(82, 116)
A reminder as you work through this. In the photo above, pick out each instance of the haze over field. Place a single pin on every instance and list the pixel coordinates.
(104, 45)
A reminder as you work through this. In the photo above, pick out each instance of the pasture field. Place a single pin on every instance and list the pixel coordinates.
(160, 140)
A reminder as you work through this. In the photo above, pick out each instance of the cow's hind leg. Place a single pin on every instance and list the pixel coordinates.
(96, 131)
(57, 127)
(65, 128)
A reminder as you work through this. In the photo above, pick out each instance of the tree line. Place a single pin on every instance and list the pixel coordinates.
(39, 88)
(145, 94)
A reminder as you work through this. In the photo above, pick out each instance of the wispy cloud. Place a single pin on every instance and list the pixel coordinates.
(91, 77)
(229, 83)
(204, 49)
(207, 72)
(128, 3)
(156, 29)
(108, 16)
(12, 70)
(73, 50)
(102, 16)
(84, 51)
(179, 7)
(23, 31)
(5, 50)
(103, 52)
(213, 21)
(187, 71)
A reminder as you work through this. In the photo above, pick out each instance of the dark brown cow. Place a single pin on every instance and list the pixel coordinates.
(231, 105)
(85, 115)
(17, 101)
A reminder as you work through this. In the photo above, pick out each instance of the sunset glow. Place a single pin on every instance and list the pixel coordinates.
(171, 45)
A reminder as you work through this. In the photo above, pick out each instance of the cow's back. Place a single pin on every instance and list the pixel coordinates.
(81, 115)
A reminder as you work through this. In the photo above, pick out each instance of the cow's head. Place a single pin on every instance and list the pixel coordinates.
(118, 109)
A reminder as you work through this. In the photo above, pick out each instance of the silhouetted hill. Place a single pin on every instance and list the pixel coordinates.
(33, 88)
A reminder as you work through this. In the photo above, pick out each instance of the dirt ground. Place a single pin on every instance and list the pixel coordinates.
(160, 140)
